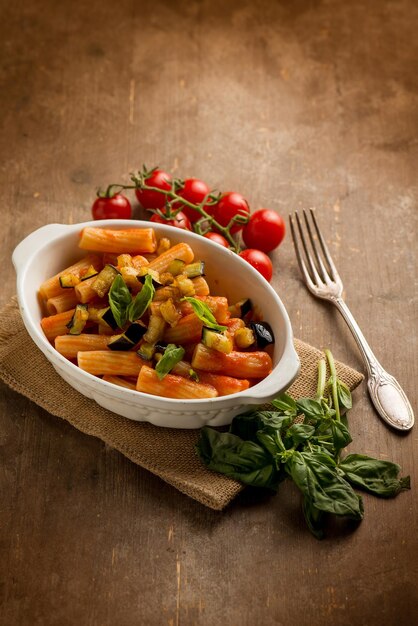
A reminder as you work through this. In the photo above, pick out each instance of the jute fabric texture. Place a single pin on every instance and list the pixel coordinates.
(168, 453)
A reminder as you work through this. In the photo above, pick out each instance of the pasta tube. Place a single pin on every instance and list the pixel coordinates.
(63, 302)
(121, 382)
(138, 240)
(201, 288)
(172, 386)
(84, 290)
(106, 362)
(52, 286)
(180, 251)
(55, 325)
(187, 330)
(236, 364)
(224, 385)
(69, 345)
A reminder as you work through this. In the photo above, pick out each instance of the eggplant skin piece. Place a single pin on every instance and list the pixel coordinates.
(120, 343)
(135, 332)
(263, 333)
(109, 319)
(129, 338)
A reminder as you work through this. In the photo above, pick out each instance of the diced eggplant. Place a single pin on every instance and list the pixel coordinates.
(216, 340)
(120, 343)
(90, 273)
(129, 338)
(69, 280)
(241, 309)
(169, 312)
(176, 267)
(160, 346)
(244, 337)
(107, 317)
(135, 332)
(194, 269)
(263, 333)
(185, 285)
(154, 275)
(104, 280)
(146, 351)
(95, 314)
(155, 331)
(78, 320)
(163, 245)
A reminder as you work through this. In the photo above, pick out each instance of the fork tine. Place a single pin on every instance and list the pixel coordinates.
(301, 262)
(322, 268)
(311, 263)
(327, 254)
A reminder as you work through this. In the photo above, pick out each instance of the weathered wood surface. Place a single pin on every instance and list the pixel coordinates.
(294, 104)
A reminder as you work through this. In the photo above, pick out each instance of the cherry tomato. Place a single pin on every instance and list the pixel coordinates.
(229, 205)
(180, 221)
(194, 191)
(154, 199)
(117, 207)
(217, 238)
(259, 261)
(264, 231)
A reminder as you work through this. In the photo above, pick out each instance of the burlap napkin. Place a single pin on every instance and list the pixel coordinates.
(168, 453)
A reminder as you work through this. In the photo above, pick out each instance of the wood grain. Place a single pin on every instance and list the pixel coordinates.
(294, 104)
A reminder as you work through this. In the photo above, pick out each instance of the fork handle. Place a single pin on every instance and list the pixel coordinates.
(386, 393)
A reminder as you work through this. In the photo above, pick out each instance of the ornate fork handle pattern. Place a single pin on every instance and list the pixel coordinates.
(386, 393)
(323, 281)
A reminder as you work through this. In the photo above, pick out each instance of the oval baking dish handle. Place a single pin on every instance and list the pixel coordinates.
(33, 241)
(289, 369)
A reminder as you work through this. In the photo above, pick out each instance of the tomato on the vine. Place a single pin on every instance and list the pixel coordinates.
(154, 199)
(259, 261)
(264, 231)
(180, 221)
(195, 191)
(217, 238)
(115, 207)
(229, 205)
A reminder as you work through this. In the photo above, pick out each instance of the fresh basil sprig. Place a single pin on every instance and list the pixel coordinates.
(142, 300)
(119, 299)
(203, 312)
(302, 440)
(172, 355)
(125, 308)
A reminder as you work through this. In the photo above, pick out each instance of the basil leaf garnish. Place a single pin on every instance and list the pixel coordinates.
(119, 300)
(243, 460)
(377, 477)
(302, 440)
(203, 312)
(142, 300)
(172, 355)
(344, 395)
(314, 473)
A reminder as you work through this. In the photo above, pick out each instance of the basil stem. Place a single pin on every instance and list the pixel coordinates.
(333, 381)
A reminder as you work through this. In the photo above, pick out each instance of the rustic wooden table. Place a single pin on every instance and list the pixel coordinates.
(294, 104)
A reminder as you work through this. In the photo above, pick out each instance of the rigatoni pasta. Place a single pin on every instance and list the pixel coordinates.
(136, 240)
(141, 316)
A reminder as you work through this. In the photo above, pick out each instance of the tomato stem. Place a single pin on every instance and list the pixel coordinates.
(113, 189)
(174, 197)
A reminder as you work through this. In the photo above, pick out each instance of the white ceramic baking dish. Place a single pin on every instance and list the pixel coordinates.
(51, 248)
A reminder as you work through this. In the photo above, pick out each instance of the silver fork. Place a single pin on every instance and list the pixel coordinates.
(323, 280)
